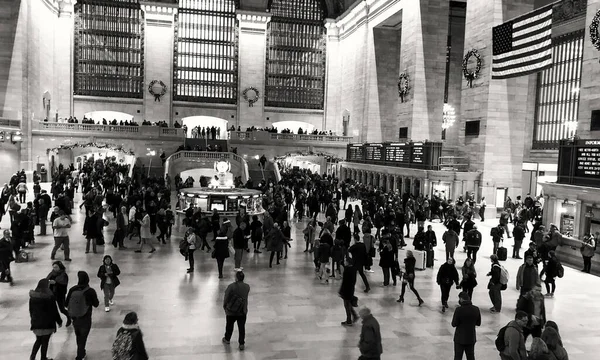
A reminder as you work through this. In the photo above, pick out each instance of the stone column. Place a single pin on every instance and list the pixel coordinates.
(158, 42)
(499, 105)
(252, 42)
(423, 57)
(589, 88)
(426, 187)
(62, 100)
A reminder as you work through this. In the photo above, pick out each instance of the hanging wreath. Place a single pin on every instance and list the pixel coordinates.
(251, 95)
(471, 75)
(157, 88)
(594, 34)
(403, 85)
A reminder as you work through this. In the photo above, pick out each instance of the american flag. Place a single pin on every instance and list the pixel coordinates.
(523, 45)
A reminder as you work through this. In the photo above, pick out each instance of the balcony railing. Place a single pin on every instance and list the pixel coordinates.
(268, 136)
(208, 155)
(121, 131)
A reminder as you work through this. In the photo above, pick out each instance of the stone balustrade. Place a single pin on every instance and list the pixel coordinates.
(144, 131)
(265, 136)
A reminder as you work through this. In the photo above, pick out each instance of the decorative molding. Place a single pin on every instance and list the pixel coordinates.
(568, 10)
(253, 21)
(151, 7)
(185, 104)
(113, 100)
(279, 110)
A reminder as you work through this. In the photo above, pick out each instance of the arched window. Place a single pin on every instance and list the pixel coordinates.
(206, 47)
(109, 48)
(295, 73)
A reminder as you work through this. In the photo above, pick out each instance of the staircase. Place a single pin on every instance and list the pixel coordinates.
(257, 173)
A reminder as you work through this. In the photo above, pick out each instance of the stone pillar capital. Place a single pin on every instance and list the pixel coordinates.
(253, 21)
(157, 12)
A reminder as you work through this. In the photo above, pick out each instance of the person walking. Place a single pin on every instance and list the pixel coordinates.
(512, 340)
(240, 244)
(81, 299)
(309, 234)
(121, 230)
(275, 242)
(61, 226)
(109, 279)
(527, 276)
(221, 249)
(533, 304)
(59, 281)
(473, 241)
(256, 230)
(482, 206)
(518, 235)
(469, 277)
(370, 336)
(409, 277)
(386, 261)
(235, 304)
(369, 242)
(552, 269)
(145, 232)
(466, 318)
(6, 257)
(446, 277)
(44, 317)
(497, 234)
(450, 238)
(588, 249)
(346, 292)
(129, 342)
(90, 229)
(494, 285)
(359, 254)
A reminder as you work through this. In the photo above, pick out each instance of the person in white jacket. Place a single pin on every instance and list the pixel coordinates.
(145, 234)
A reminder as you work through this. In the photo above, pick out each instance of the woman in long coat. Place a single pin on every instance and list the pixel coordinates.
(347, 292)
(221, 249)
(44, 317)
(275, 241)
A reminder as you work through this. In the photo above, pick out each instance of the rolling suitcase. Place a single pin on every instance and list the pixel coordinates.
(430, 258)
(502, 253)
(421, 257)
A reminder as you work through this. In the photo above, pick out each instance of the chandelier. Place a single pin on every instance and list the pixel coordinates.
(449, 116)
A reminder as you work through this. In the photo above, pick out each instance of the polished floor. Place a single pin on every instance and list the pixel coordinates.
(291, 315)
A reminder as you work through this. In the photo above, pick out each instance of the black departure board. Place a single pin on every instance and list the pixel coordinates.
(587, 160)
(579, 162)
(397, 152)
(418, 153)
(355, 152)
(373, 152)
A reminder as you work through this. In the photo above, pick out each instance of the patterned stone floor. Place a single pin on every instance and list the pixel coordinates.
(291, 315)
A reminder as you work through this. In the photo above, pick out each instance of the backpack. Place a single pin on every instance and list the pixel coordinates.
(77, 304)
(184, 246)
(560, 270)
(123, 346)
(503, 275)
(500, 344)
(235, 304)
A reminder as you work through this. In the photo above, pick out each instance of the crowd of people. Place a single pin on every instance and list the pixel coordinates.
(274, 130)
(115, 122)
(345, 242)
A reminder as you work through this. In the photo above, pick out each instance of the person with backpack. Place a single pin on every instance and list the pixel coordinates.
(552, 269)
(235, 304)
(510, 341)
(129, 342)
(466, 318)
(473, 243)
(588, 249)
(108, 274)
(495, 285)
(44, 317)
(80, 301)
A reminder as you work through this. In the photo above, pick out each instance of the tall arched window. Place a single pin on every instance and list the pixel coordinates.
(295, 73)
(109, 48)
(206, 47)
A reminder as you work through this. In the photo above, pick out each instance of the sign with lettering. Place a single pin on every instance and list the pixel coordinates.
(579, 162)
(397, 152)
(373, 152)
(417, 153)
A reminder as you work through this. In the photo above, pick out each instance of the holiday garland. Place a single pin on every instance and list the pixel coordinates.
(163, 89)
(118, 148)
(471, 75)
(253, 99)
(327, 156)
(403, 85)
(594, 34)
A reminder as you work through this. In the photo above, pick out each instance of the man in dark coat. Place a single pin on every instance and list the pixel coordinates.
(344, 233)
(466, 318)
(235, 304)
(6, 257)
(358, 251)
(370, 337)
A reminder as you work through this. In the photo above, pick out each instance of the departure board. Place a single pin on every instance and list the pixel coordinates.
(587, 160)
(373, 152)
(418, 153)
(355, 152)
(397, 152)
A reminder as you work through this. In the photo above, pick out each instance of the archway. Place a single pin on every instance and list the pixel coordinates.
(191, 122)
(294, 126)
(108, 115)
